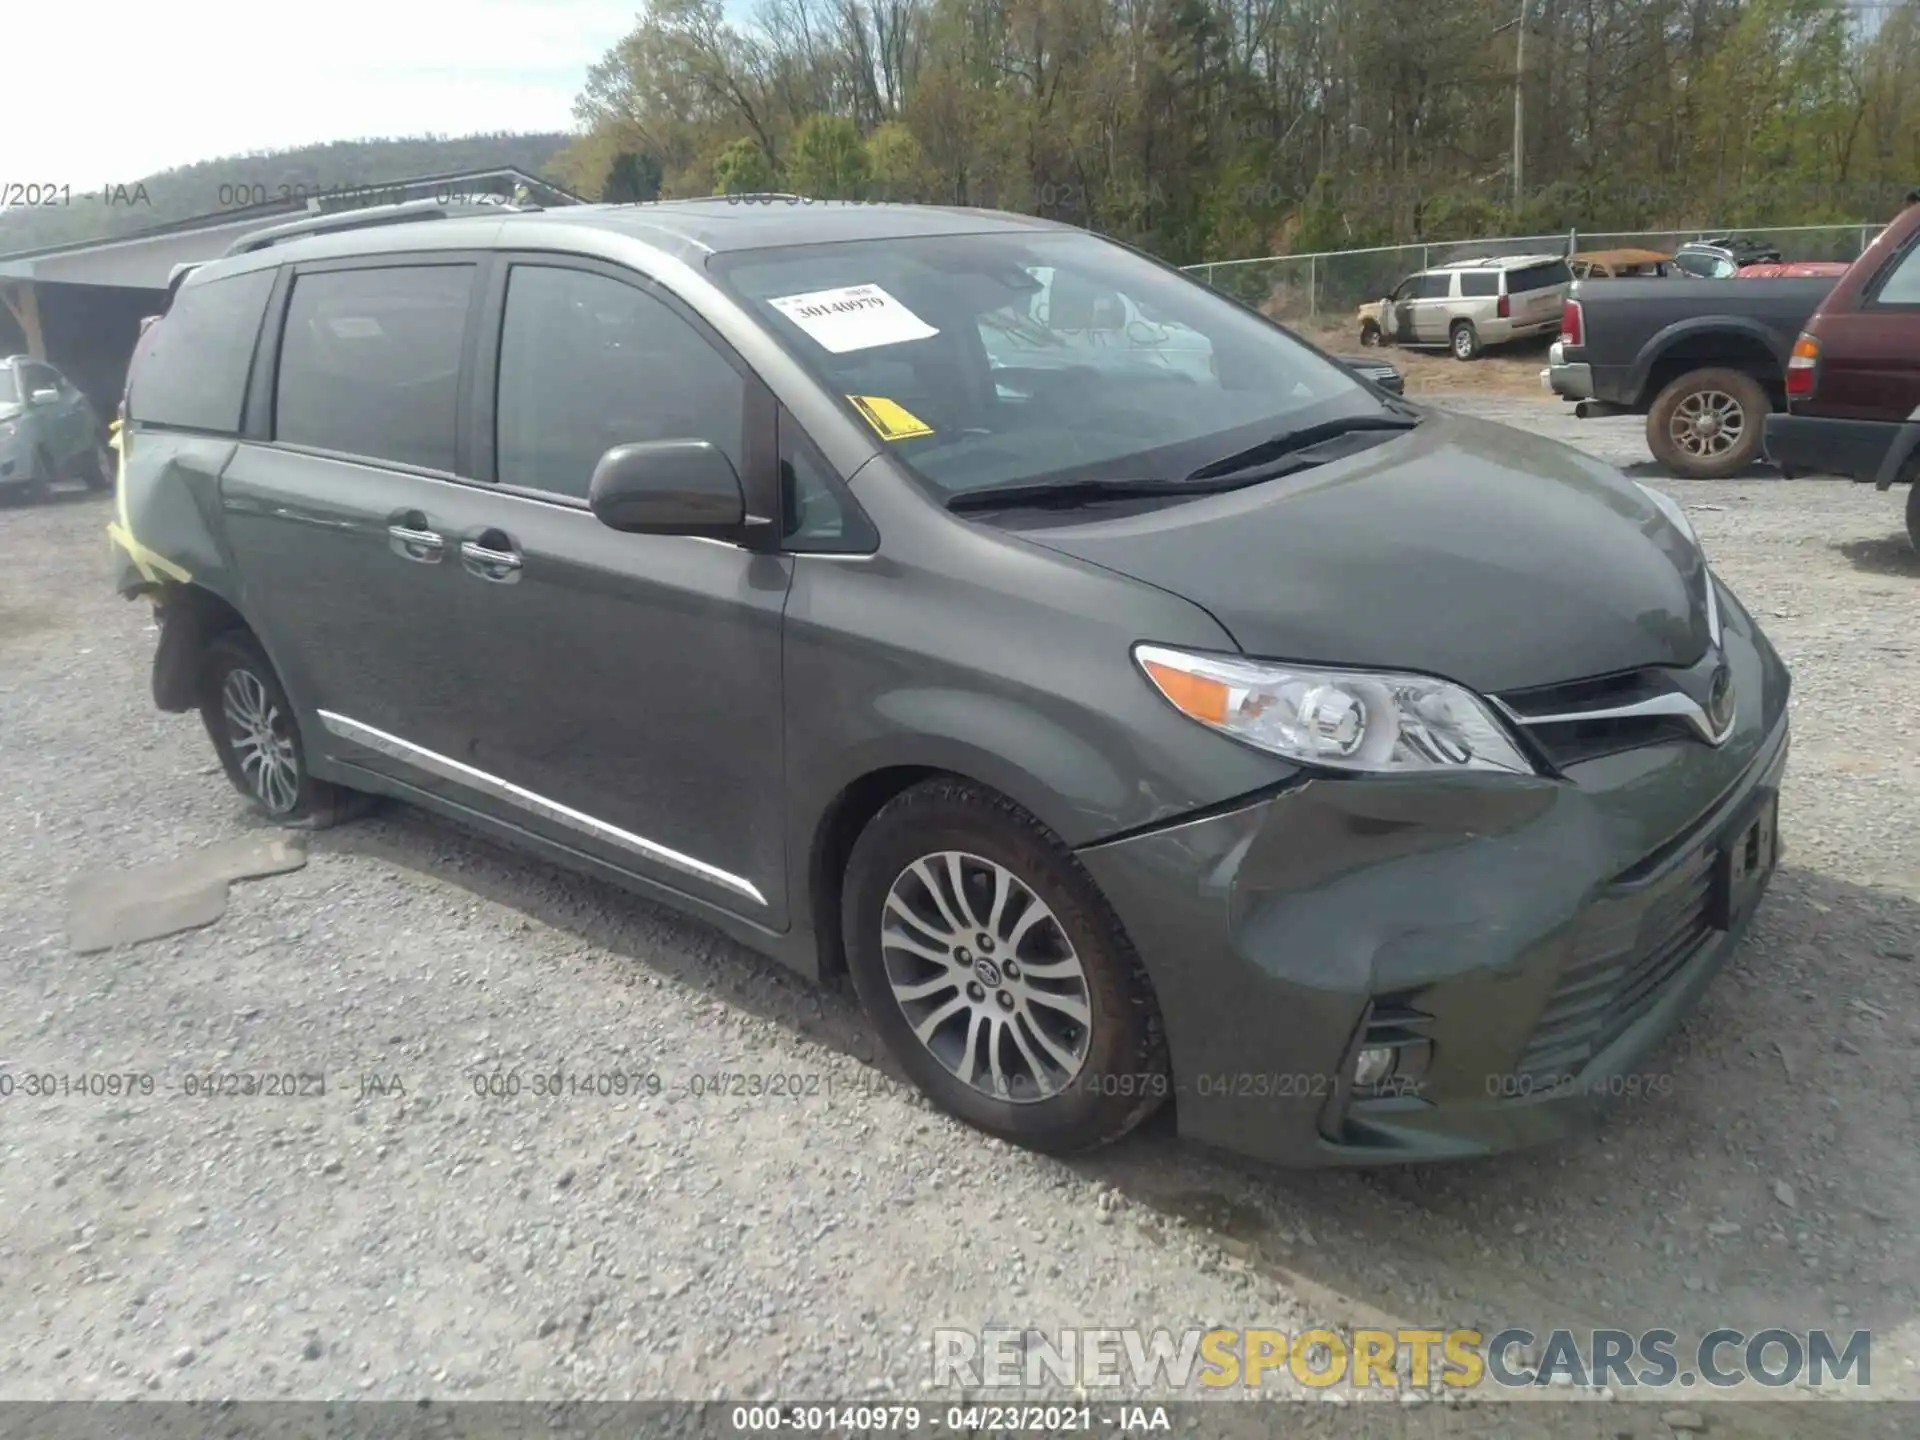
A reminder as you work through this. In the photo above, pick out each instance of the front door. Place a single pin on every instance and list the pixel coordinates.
(1396, 317)
(627, 701)
(60, 416)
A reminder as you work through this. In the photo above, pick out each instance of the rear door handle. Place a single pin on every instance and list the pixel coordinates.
(410, 539)
(492, 557)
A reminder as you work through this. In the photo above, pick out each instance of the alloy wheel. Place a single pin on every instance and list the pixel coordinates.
(1708, 424)
(986, 976)
(262, 740)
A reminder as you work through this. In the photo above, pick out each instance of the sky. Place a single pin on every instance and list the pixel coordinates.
(168, 82)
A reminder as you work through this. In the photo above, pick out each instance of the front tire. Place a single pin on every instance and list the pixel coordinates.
(997, 974)
(99, 468)
(1371, 337)
(1708, 425)
(1464, 341)
(252, 726)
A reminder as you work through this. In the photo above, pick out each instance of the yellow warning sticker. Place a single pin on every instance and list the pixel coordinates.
(892, 421)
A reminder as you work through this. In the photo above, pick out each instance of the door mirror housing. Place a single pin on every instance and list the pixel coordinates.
(668, 487)
(44, 397)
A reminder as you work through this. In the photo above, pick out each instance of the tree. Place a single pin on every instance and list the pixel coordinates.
(742, 168)
(1220, 129)
(828, 160)
(898, 163)
(632, 177)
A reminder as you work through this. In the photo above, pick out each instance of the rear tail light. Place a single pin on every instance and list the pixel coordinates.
(1506, 307)
(1573, 324)
(1803, 367)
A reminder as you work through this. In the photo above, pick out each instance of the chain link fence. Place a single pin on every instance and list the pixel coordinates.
(1326, 288)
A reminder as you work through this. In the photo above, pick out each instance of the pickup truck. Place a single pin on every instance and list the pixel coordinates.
(1704, 360)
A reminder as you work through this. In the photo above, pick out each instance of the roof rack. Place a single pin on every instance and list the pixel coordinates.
(404, 213)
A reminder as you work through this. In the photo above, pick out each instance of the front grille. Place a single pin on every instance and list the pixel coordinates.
(1570, 742)
(1625, 953)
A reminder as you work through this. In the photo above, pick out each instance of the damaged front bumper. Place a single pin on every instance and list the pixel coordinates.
(1518, 947)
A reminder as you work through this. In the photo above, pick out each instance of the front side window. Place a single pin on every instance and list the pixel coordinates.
(1435, 287)
(1010, 357)
(370, 362)
(39, 377)
(588, 362)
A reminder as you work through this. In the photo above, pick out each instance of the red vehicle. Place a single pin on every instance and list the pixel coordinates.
(1853, 380)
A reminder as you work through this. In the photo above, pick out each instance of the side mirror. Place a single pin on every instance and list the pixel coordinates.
(668, 487)
(43, 397)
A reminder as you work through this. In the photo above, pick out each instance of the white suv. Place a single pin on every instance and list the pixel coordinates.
(1471, 304)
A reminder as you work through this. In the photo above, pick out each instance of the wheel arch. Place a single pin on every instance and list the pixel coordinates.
(191, 616)
(1718, 344)
(1013, 767)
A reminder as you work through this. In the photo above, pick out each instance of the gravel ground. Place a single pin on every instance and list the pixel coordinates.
(401, 1236)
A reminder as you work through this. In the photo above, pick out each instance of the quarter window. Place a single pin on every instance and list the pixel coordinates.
(370, 363)
(588, 362)
(1902, 286)
(192, 371)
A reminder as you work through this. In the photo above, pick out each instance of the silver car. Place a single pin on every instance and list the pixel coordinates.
(1471, 304)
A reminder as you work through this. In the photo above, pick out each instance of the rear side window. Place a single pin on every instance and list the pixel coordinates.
(1479, 282)
(1538, 277)
(370, 362)
(192, 371)
(1902, 285)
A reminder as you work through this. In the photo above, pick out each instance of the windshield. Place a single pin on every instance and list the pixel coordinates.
(998, 359)
(9, 392)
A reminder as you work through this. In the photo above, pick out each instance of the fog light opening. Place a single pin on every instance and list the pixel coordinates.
(1373, 1066)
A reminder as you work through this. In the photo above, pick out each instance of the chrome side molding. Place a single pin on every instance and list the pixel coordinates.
(459, 773)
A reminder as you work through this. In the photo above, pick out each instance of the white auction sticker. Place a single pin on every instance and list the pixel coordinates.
(854, 317)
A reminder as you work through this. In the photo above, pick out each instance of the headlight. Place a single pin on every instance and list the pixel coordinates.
(6, 429)
(1372, 721)
(1670, 508)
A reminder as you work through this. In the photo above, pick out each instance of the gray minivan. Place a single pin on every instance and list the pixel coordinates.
(1368, 783)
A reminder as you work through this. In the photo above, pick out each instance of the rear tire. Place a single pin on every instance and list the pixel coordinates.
(252, 726)
(1464, 341)
(997, 974)
(1708, 424)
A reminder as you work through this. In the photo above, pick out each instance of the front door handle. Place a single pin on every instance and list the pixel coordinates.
(491, 557)
(410, 539)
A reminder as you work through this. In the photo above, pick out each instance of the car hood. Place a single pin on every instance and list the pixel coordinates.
(1463, 549)
(11, 412)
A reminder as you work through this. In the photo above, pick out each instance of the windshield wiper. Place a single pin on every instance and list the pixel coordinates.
(1077, 492)
(1300, 445)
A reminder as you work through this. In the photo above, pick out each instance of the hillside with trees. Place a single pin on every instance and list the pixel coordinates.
(1211, 129)
(233, 180)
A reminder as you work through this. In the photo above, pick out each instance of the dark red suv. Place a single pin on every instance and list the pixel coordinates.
(1853, 382)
